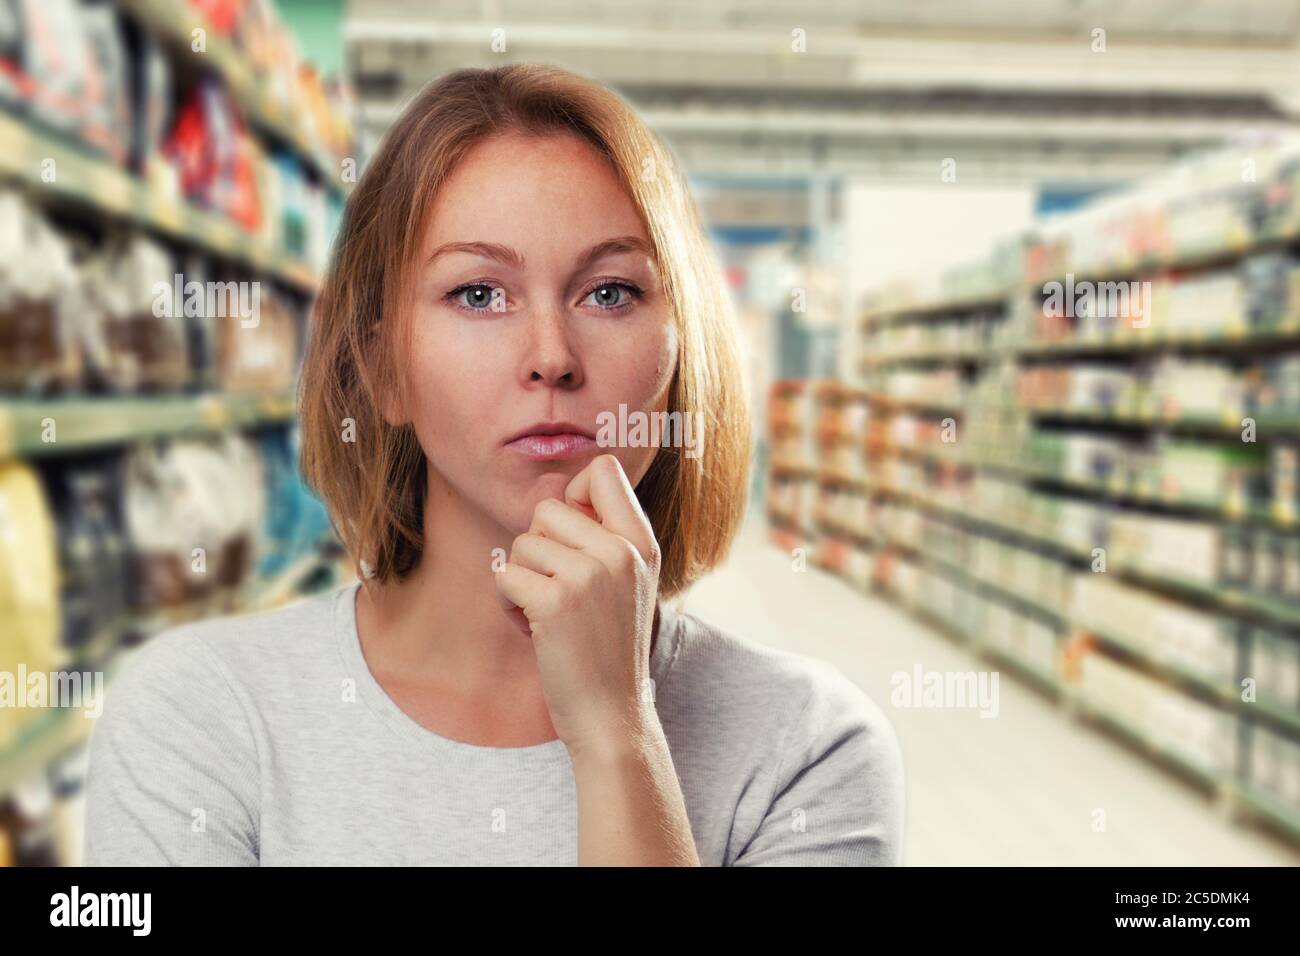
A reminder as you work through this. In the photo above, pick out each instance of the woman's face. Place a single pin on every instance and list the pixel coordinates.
(537, 303)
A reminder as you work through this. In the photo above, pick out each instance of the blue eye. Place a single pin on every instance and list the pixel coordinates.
(613, 296)
(480, 297)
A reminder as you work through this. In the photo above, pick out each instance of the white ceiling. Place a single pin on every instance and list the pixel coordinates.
(883, 87)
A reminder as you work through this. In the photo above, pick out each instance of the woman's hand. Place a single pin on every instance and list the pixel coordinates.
(584, 578)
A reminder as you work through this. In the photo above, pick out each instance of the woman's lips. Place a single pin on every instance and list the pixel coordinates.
(552, 447)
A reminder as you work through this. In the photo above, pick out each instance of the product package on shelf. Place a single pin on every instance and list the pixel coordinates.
(259, 356)
(295, 519)
(1200, 734)
(93, 550)
(1274, 764)
(215, 157)
(29, 587)
(27, 824)
(1273, 664)
(107, 106)
(193, 511)
(151, 93)
(139, 333)
(39, 319)
(51, 63)
(1202, 642)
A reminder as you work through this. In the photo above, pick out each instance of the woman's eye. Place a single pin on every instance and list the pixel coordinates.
(477, 297)
(612, 295)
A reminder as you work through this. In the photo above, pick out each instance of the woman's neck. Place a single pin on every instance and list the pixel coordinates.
(444, 620)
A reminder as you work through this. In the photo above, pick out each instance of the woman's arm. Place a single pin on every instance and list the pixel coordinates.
(586, 579)
(631, 811)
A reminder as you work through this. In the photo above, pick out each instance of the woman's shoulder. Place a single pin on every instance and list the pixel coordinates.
(789, 688)
(238, 648)
(820, 763)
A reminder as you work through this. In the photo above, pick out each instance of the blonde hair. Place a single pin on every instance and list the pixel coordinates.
(374, 485)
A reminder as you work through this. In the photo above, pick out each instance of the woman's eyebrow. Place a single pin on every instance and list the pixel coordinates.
(494, 250)
(613, 247)
(488, 250)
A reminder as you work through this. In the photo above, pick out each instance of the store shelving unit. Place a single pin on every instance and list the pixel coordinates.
(108, 191)
(926, 482)
(85, 423)
(90, 187)
(174, 25)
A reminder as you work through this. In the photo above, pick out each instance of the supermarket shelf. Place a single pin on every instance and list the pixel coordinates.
(1228, 697)
(937, 406)
(797, 472)
(173, 22)
(1284, 717)
(1222, 784)
(84, 423)
(1233, 601)
(955, 343)
(1096, 713)
(1224, 252)
(1221, 511)
(1267, 806)
(889, 314)
(1093, 711)
(962, 356)
(1227, 341)
(57, 731)
(1269, 517)
(1024, 602)
(1188, 260)
(1227, 426)
(87, 180)
(1046, 680)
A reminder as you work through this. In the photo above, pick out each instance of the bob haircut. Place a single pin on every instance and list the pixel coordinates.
(370, 473)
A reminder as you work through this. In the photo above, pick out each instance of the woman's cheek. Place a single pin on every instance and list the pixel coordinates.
(645, 366)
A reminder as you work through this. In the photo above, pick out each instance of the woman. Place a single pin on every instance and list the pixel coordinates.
(521, 274)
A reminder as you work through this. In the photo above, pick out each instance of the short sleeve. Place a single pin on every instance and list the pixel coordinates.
(838, 794)
(172, 778)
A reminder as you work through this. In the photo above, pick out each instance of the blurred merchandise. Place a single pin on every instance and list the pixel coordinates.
(29, 584)
(192, 511)
(163, 230)
(213, 155)
(93, 550)
(1088, 470)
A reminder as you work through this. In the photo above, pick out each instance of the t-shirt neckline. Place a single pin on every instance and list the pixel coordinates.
(533, 755)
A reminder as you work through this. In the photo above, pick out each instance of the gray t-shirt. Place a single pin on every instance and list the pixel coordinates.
(265, 739)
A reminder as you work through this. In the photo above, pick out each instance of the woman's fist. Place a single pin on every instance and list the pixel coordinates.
(584, 579)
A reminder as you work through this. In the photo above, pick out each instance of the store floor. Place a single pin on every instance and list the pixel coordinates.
(1019, 789)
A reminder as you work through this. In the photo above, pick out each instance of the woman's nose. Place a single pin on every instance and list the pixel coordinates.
(550, 357)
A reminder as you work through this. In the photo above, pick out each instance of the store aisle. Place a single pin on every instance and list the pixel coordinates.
(1021, 788)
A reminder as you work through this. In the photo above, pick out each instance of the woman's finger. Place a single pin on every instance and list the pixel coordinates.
(603, 486)
(523, 587)
(544, 555)
(558, 520)
(581, 536)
